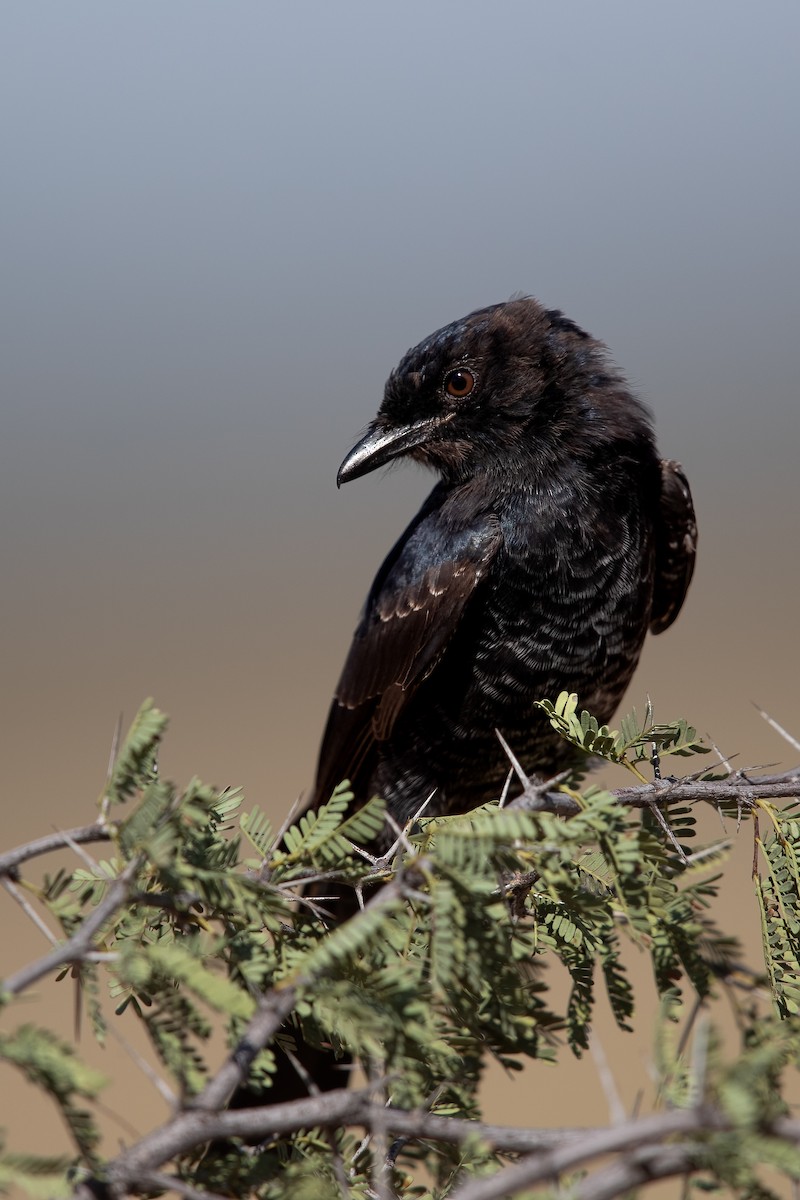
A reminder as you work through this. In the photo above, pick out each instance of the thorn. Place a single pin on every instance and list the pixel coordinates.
(726, 762)
(659, 816)
(401, 835)
(526, 783)
(778, 728)
(506, 786)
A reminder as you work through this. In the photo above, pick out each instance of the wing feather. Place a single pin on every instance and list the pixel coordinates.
(676, 546)
(412, 612)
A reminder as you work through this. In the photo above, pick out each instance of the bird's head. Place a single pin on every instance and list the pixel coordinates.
(508, 387)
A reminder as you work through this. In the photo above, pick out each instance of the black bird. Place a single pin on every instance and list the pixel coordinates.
(553, 541)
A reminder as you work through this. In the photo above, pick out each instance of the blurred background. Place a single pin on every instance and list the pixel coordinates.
(224, 224)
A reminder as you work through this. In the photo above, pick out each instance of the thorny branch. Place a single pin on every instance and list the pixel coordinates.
(81, 944)
(545, 1154)
(96, 832)
(738, 788)
(204, 1121)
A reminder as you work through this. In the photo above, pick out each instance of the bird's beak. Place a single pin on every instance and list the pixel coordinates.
(379, 446)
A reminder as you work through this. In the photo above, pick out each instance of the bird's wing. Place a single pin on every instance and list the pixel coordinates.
(676, 546)
(410, 615)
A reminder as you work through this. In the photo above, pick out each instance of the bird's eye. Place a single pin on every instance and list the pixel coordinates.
(459, 383)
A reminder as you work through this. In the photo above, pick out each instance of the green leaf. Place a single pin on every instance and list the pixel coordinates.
(52, 1065)
(135, 763)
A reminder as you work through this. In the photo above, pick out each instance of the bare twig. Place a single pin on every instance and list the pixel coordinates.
(715, 791)
(643, 1166)
(158, 1181)
(621, 1139)
(86, 858)
(161, 1085)
(737, 790)
(381, 1166)
(273, 1009)
(658, 817)
(536, 796)
(515, 763)
(506, 786)
(28, 909)
(54, 841)
(548, 1153)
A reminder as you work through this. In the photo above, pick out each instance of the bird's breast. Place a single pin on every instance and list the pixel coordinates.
(564, 606)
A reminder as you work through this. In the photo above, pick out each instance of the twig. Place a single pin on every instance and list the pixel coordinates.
(643, 1166)
(726, 762)
(515, 764)
(28, 909)
(739, 789)
(506, 786)
(713, 791)
(536, 797)
(76, 948)
(616, 1110)
(204, 1121)
(338, 1165)
(549, 1153)
(54, 841)
(263, 872)
(658, 817)
(697, 1074)
(381, 1167)
(162, 1087)
(159, 1181)
(273, 1009)
(86, 859)
(622, 1139)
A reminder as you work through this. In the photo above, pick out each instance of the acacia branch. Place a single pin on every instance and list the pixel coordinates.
(638, 1141)
(643, 1166)
(549, 1153)
(736, 789)
(158, 1181)
(76, 948)
(97, 832)
(204, 1121)
(595, 1143)
(739, 788)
